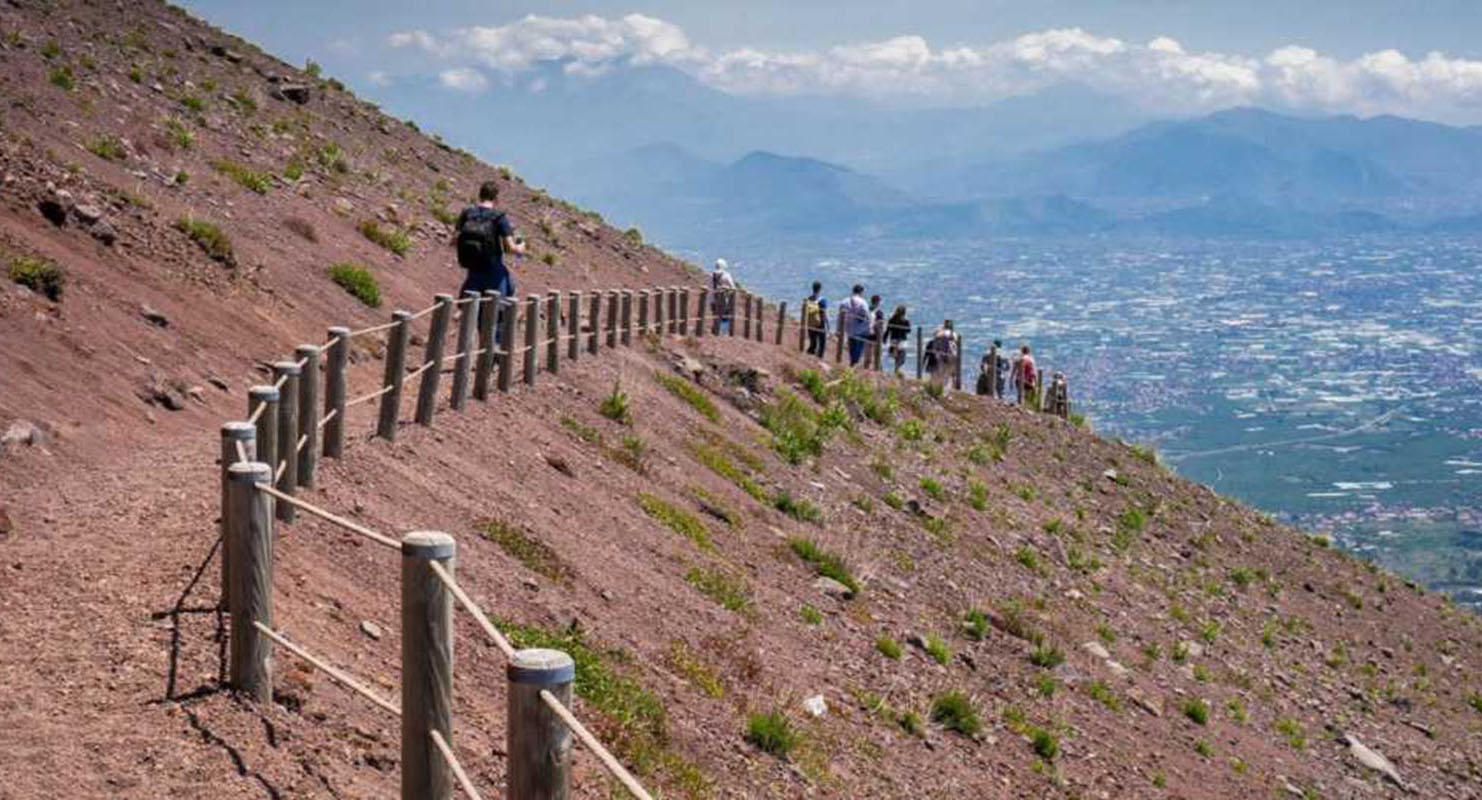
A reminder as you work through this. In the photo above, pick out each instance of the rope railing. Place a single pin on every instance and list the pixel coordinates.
(473, 609)
(313, 510)
(602, 753)
(335, 674)
(518, 339)
(457, 768)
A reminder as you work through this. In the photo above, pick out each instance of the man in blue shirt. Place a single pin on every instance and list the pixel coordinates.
(483, 234)
(858, 323)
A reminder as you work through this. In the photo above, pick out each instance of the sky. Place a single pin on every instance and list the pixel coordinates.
(1417, 58)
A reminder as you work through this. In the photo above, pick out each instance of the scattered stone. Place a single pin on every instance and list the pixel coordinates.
(87, 214)
(833, 588)
(156, 393)
(219, 383)
(1096, 649)
(197, 393)
(371, 629)
(559, 464)
(342, 206)
(689, 366)
(21, 434)
(1110, 474)
(1075, 594)
(1151, 706)
(1425, 729)
(1373, 760)
(816, 706)
(292, 92)
(230, 55)
(153, 316)
(530, 583)
(104, 232)
(606, 595)
(1194, 649)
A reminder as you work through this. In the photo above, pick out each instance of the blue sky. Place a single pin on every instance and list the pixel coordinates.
(1420, 58)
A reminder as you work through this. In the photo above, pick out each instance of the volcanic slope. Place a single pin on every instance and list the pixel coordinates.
(1035, 611)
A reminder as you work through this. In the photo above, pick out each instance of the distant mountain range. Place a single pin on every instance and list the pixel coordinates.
(694, 166)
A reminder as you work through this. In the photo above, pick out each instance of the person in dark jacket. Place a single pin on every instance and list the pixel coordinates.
(897, 331)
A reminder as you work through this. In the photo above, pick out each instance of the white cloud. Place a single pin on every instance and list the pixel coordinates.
(378, 78)
(463, 79)
(1159, 74)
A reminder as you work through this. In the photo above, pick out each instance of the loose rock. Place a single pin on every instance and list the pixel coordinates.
(833, 588)
(154, 316)
(1373, 760)
(816, 706)
(371, 629)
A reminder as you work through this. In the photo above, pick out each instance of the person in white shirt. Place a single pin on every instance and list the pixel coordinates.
(858, 323)
(722, 297)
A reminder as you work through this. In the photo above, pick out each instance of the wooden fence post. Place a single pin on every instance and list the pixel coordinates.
(659, 324)
(396, 367)
(308, 411)
(839, 340)
(1039, 392)
(532, 334)
(992, 370)
(467, 338)
(880, 347)
(957, 365)
(612, 318)
(433, 354)
(488, 318)
(232, 434)
(553, 332)
(595, 316)
(573, 326)
(642, 312)
(733, 300)
(267, 421)
(671, 309)
(920, 366)
(508, 312)
(803, 326)
(781, 320)
(701, 309)
(426, 664)
(250, 537)
(745, 300)
(538, 742)
(684, 311)
(335, 382)
(626, 324)
(285, 470)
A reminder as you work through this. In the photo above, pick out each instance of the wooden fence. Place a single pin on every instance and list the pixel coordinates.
(291, 424)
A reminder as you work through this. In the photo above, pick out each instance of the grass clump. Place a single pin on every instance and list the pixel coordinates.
(676, 519)
(938, 649)
(894, 500)
(358, 281)
(888, 647)
(810, 615)
(244, 176)
(977, 496)
(1047, 656)
(731, 592)
(954, 711)
(63, 78)
(1475, 701)
(684, 390)
(1197, 711)
(108, 148)
(770, 732)
(912, 430)
(216, 244)
(975, 624)
(1292, 730)
(389, 238)
(1046, 744)
(933, 488)
(1103, 694)
(826, 563)
(533, 553)
(179, 134)
(693, 667)
(798, 432)
(1204, 748)
(615, 406)
(39, 275)
(798, 508)
(716, 460)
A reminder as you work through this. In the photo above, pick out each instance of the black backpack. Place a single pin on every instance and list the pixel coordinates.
(479, 242)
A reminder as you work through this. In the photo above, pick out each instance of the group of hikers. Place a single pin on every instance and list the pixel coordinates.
(483, 235)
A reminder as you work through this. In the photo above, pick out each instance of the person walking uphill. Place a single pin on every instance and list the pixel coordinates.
(483, 235)
(815, 319)
(722, 297)
(855, 312)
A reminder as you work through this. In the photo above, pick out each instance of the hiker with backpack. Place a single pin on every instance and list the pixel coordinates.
(897, 331)
(483, 235)
(722, 297)
(942, 353)
(1002, 370)
(855, 312)
(815, 319)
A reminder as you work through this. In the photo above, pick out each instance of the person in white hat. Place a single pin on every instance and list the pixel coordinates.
(722, 297)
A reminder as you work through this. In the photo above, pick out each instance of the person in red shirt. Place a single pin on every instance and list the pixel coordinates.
(1028, 376)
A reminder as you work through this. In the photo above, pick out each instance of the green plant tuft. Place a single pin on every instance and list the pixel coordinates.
(1197, 711)
(954, 711)
(689, 393)
(826, 563)
(771, 733)
(39, 275)
(358, 281)
(676, 519)
(615, 406)
(536, 555)
(888, 647)
(391, 238)
(798, 508)
(208, 237)
(728, 590)
(244, 176)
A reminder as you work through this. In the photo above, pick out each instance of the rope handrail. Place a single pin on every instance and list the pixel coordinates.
(424, 312)
(257, 413)
(302, 362)
(338, 676)
(608, 760)
(302, 440)
(413, 375)
(463, 781)
(334, 412)
(366, 398)
(282, 379)
(473, 609)
(242, 453)
(465, 300)
(313, 510)
(372, 329)
(278, 473)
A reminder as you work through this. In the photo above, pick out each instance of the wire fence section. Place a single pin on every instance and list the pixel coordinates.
(302, 416)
